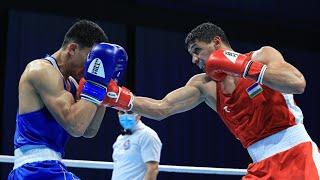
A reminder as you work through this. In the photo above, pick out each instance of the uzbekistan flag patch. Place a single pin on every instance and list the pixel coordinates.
(254, 90)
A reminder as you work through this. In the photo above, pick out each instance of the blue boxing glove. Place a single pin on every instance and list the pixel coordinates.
(101, 63)
(98, 70)
(121, 64)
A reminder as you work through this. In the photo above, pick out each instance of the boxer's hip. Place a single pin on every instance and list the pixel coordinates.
(34, 153)
(288, 154)
(39, 162)
(279, 142)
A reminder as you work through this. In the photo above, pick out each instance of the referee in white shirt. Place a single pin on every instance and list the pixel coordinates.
(136, 152)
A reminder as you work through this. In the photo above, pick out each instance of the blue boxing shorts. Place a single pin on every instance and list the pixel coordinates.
(38, 162)
(44, 170)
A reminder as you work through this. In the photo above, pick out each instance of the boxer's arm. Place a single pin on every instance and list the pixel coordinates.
(280, 75)
(94, 126)
(73, 117)
(177, 101)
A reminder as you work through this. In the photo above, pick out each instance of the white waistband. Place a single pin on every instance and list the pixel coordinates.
(278, 142)
(34, 153)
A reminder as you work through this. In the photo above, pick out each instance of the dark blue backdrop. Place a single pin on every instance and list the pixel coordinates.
(194, 138)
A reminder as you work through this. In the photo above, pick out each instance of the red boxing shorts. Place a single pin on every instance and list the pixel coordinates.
(288, 154)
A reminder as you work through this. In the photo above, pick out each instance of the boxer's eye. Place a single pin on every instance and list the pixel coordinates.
(194, 49)
(197, 50)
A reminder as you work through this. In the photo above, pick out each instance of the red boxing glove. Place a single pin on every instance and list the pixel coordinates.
(117, 97)
(217, 76)
(234, 64)
(80, 87)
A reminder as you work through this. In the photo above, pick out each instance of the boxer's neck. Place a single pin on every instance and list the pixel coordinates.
(61, 57)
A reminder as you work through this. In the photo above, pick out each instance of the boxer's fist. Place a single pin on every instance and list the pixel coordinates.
(232, 63)
(101, 62)
(117, 97)
(98, 70)
(121, 64)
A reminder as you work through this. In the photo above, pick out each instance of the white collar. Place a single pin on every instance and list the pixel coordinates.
(138, 126)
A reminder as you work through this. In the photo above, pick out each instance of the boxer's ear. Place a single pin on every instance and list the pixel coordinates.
(71, 48)
(217, 42)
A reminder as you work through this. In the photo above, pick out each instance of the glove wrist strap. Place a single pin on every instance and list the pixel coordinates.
(93, 92)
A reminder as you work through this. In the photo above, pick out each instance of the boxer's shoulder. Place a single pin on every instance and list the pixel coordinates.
(200, 79)
(204, 83)
(264, 53)
(39, 64)
(39, 72)
(40, 69)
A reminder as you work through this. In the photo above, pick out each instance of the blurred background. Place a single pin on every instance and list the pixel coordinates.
(153, 32)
